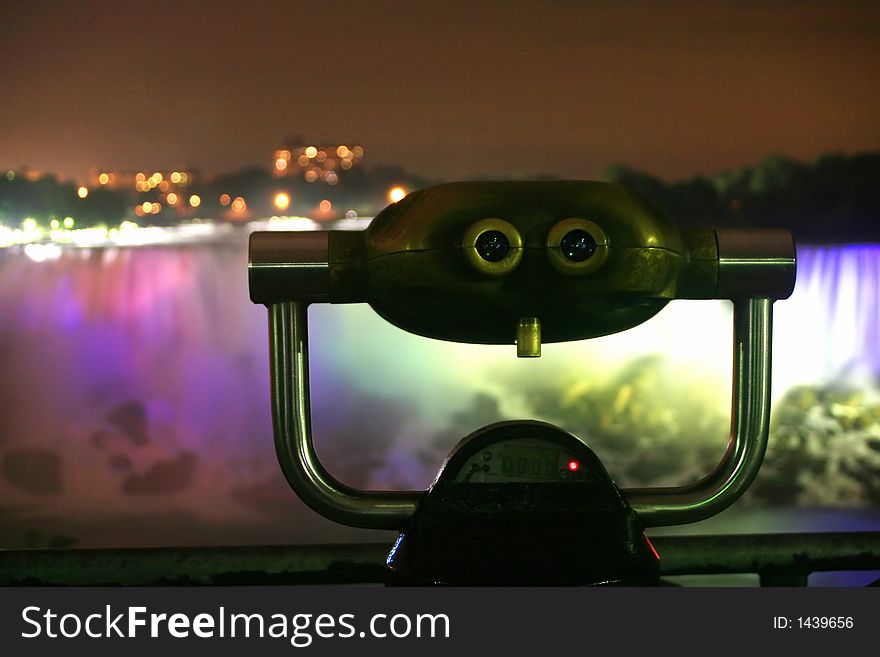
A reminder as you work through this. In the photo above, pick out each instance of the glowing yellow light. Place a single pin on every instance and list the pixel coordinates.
(140, 177)
(148, 207)
(103, 179)
(175, 177)
(171, 198)
(10, 175)
(184, 177)
(238, 205)
(156, 207)
(396, 194)
(311, 151)
(82, 192)
(224, 199)
(284, 154)
(29, 224)
(68, 222)
(156, 178)
(311, 175)
(281, 201)
(342, 151)
(195, 200)
(325, 206)
(54, 224)
(281, 164)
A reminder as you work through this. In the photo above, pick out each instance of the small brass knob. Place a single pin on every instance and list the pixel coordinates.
(528, 338)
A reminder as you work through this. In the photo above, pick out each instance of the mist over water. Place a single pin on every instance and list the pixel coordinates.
(135, 388)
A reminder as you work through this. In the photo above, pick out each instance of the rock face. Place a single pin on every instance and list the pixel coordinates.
(163, 478)
(37, 471)
(131, 419)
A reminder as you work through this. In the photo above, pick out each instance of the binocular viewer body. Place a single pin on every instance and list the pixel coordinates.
(523, 262)
(468, 262)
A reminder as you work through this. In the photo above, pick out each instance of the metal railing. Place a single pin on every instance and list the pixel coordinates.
(779, 560)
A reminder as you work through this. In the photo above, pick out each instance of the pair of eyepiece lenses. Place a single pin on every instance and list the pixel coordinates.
(576, 245)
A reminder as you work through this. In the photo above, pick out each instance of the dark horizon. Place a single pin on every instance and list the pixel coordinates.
(447, 92)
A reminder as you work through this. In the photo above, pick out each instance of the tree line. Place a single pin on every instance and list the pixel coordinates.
(834, 199)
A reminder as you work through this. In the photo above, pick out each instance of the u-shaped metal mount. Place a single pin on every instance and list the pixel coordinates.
(292, 421)
(291, 412)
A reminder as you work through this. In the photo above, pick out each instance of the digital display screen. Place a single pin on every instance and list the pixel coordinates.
(527, 462)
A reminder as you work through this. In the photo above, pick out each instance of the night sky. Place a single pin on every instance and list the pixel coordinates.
(445, 89)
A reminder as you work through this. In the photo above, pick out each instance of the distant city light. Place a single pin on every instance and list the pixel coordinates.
(82, 192)
(325, 206)
(239, 205)
(311, 151)
(41, 252)
(281, 164)
(342, 151)
(281, 201)
(147, 207)
(225, 199)
(140, 177)
(104, 179)
(351, 214)
(63, 234)
(312, 175)
(331, 177)
(10, 175)
(195, 200)
(175, 177)
(171, 198)
(396, 193)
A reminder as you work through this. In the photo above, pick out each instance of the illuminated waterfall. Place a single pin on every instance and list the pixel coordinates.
(135, 387)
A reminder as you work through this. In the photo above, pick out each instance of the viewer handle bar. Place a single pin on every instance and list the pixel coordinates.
(291, 417)
(749, 426)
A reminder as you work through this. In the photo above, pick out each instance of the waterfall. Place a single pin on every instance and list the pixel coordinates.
(136, 397)
(830, 328)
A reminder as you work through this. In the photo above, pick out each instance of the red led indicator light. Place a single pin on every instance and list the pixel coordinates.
(574, 466)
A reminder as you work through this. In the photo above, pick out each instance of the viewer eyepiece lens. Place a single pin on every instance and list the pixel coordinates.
(577, 245)
(493, 246)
